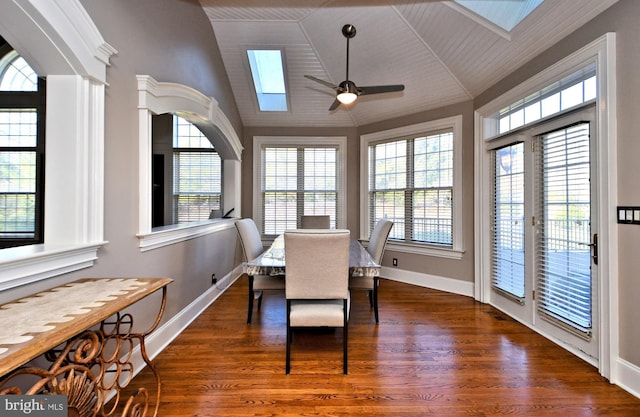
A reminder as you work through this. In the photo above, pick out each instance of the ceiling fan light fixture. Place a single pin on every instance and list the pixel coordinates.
(346, 97)
(347, 92)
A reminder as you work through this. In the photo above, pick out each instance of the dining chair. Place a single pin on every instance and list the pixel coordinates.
(315, 222)
(317, 284)
(252, 248)
(377, 243)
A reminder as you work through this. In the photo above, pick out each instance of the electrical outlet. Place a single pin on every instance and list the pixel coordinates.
(395, 261)
(214, 280)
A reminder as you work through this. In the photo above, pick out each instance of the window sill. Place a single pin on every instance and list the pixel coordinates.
(26, 264)
(169, 235)
(447, 253)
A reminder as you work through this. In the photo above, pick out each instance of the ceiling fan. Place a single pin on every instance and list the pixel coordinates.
(347, 92)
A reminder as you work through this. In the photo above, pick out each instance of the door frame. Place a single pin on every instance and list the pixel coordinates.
(527, 311)
(601, 52)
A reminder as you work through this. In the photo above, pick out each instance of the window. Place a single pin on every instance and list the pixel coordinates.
(22, 108)
(413, 179)
(507, 15)
(298, 176)
(197, 174)
(411, 183)
(268, 79)
(562, 95)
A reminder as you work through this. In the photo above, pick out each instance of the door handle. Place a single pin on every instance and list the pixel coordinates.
(594, 248)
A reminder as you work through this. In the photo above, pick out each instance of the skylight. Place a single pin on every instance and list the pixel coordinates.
(504, 13)
(268, 79)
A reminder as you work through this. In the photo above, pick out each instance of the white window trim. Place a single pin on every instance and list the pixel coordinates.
(74, 210)
(339, 141)
(455, 123)
(602, 51)
(161, 97)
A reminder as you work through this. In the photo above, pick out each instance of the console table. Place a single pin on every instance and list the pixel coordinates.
(80, 330)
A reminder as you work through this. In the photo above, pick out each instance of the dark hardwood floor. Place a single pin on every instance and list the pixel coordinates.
(433, 354)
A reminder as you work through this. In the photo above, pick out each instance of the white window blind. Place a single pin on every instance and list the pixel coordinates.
(197, 174)
(411, 183)
(563, 252)
(507, 254)
(296, 181)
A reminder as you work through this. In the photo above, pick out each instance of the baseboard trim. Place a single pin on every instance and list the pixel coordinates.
(454, 286)
(628, 377)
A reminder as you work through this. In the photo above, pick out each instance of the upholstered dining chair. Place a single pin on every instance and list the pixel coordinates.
(252, 248)
(315, 222)
(377, 243)
(317, 284)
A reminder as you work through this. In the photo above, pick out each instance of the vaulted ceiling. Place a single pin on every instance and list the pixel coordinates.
(441, 51)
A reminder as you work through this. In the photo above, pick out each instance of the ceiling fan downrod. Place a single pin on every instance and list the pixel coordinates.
(349, 31)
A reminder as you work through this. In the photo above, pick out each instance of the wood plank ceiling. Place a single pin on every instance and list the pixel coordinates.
(442, 52)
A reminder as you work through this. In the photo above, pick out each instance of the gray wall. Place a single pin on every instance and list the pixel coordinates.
(172, 41)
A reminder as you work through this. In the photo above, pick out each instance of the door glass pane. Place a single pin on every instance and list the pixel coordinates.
(507, 260)
(564, 274)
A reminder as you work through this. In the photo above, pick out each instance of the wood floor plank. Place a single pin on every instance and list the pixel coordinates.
(433, 354)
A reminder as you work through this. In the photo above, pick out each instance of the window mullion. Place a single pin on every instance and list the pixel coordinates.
(300, 186)
(408, 197)
(372, 190)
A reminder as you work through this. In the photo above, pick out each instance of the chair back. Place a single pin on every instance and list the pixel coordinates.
(315, 222)
(378, 239)
(249, 238)
(317, 263)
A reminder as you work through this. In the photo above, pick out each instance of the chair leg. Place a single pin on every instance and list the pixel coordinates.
(345, 338)
(250, 311)
(289, 337)
(370, 294)
(376, 282)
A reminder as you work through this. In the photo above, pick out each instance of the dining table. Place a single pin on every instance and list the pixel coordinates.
(272, 261)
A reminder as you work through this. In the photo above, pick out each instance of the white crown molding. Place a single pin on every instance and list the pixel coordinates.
(61, 39)
(165, 97)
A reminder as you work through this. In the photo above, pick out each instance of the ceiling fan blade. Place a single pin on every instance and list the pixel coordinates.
(334, 105)
(377, 89)
(323, 82)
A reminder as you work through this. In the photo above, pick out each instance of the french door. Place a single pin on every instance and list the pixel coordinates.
(544, 235)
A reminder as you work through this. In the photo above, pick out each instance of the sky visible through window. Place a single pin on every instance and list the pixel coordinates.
(506, 14)
(268, 79)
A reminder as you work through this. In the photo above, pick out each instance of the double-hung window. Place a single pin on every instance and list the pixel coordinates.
(22, 108)
(295, 177)
(197, 173)
(413, 179)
